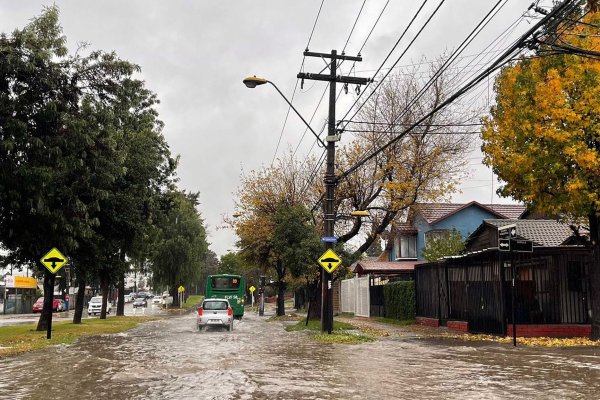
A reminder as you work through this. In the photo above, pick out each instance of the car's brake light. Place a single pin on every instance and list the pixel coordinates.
(200, 311)
(230, 311)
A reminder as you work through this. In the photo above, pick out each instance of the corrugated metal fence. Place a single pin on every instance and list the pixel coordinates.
(551, 288)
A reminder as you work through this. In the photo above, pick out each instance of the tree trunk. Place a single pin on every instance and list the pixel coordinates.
(104, 282)
(314, 298)
(173, 292)
(121, 296)
(280, 298)
(280, 287)
(594, 220)
(48, 299)
(79, 300)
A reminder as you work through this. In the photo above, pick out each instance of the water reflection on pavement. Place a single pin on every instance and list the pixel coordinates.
(169, 359)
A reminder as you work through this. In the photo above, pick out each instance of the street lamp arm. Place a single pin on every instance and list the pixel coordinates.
(298, 114)
(252, 82)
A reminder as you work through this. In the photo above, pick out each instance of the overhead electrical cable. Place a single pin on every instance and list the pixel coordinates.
(296, 85)
(391, 52)
(451, 58)
(507, 56)
(354, 26)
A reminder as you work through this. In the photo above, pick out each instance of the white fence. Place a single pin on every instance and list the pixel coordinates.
(355, 296)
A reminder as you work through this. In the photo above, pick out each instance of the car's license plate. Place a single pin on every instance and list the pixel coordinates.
(214, 321)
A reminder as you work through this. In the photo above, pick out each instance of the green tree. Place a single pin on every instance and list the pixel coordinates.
(231, 263)
(47, 193)
(81, 152)
(450, 243)
(296, 246)
(542, 137)
(181, 247)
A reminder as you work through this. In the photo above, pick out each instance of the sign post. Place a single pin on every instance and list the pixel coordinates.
(53, 261)
(329, 261)
(180, 291)
(252, 289)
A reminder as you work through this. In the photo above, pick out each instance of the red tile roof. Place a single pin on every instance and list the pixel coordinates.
(435, 212)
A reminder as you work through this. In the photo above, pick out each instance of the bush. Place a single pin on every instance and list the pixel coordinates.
(400, 300)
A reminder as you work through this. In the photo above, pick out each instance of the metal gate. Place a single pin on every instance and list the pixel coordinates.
(355, 296)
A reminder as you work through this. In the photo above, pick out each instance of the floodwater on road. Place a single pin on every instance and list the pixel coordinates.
(170, 359)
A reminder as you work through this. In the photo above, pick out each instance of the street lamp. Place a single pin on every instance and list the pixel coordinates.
(253, 81)
(330, 181)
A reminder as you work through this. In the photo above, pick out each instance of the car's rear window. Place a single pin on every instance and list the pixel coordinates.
(215, 305)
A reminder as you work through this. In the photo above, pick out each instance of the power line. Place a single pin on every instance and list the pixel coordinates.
(373, 27)
(484, 21)
(390, 54)
(507, 56)
(354, 26)
(287, 114)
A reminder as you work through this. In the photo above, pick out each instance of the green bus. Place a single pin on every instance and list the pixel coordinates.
(230, 287)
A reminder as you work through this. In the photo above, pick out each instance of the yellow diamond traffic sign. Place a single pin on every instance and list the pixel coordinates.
(329, 260)
(54, 260)
(180, 289)
(251, 289)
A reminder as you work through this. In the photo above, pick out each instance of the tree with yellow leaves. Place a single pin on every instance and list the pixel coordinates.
(543, 135)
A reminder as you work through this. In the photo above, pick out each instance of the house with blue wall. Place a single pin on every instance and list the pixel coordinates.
(431, 220)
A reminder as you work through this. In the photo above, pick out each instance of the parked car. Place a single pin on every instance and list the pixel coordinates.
(156, 300)
(95, 306)
(215, 312)
(140, 302)
(57, 305)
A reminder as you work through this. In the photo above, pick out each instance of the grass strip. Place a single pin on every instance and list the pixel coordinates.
(315, 325)
(22, 338)
(192, 301)
(342, 332)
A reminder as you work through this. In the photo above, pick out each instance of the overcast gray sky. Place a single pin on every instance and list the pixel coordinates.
(194, 55)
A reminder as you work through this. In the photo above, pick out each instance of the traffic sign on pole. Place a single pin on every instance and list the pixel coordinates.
(330, 261)
(504, 244)
(53, 260)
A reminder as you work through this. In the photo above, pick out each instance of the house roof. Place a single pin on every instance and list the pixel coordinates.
(406, 228)
(436, 212)
(384, 267)
(543, 232)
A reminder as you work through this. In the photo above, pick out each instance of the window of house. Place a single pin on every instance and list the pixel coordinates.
(435, 234)
(406, 246)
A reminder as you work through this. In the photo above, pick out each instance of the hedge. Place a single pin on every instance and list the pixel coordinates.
(400, 300)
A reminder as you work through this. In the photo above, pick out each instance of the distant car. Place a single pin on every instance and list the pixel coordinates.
(215, 312)
(57, 305)
(95, 306)
(156, 300)
(140, 302)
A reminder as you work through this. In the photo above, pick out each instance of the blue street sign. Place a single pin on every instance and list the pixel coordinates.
(329, 239)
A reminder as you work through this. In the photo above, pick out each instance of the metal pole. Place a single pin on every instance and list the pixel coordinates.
(514, 303)
(330, 184)
(49, 328)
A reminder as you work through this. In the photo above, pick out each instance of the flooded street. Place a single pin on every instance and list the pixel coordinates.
(169, 359)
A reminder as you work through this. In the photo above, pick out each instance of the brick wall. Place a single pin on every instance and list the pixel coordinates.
(562, 330)
(428, 321)
(461, 326)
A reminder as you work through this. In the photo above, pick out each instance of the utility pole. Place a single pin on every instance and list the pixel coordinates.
(330, 178)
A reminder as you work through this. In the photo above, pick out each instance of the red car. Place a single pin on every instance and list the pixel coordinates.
(57, 305)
